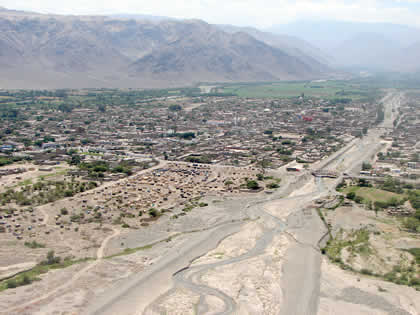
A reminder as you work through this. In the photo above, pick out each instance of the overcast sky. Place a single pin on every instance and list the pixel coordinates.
(261, 13)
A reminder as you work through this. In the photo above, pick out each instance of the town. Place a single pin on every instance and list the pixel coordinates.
(91, 175)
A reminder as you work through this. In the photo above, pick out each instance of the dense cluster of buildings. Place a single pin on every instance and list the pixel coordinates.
(401, 157)
(219, 130)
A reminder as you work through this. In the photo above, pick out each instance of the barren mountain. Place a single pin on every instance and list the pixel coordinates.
(213, 55)
(292, 45)
(50, 51)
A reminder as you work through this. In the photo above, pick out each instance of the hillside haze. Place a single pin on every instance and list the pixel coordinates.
(376, 46)
(51, 51)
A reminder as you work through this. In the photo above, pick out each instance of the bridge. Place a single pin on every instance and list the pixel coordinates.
(325, 174)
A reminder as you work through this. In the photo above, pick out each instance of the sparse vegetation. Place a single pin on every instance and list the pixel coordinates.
(52, 262)
(34, 244)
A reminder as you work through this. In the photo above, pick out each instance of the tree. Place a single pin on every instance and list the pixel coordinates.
(186, 135)
(27, 142)
(351, 195)
(364, 183)
(75, 160)
(365, 130)
(65, 108)
(366, 166)
(153, 212)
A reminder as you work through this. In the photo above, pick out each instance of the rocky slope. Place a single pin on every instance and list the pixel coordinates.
(50, 51)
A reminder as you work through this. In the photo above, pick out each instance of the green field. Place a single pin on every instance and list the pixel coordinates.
(373, 194)
(324, 89)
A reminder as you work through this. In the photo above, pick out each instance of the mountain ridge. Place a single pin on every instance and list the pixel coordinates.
(53, 51)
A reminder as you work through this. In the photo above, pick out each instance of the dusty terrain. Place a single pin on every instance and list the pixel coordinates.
(242, 253)
(360, 295)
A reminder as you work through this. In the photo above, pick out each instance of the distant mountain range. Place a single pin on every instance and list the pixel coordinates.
(53, 51)
(376, 46)
(142, 51)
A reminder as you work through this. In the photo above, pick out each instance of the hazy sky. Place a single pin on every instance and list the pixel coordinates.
(262, 13)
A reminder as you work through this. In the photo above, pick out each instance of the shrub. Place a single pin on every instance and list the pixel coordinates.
(391, 276)
(26, 280)
(11, 284)
(412, 224)
(380, 289)
(252, 184)
(416, 253)
(34, 244)
(273, 186)
(76, 217)
(51, 259)
(396, 268)
(153, 212)
(366, 272)
(68, 193)
(64, 211)
(358, 199)
(414, 281)
(341, 185)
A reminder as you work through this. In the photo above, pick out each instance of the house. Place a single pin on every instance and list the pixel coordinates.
(50, 145)
(412, 165)
(6, 148)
